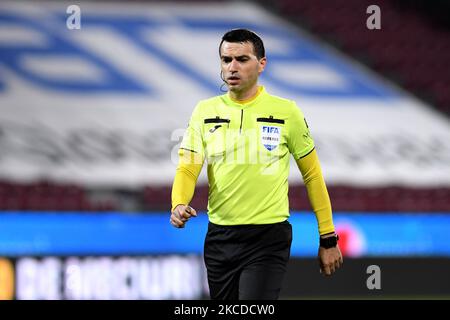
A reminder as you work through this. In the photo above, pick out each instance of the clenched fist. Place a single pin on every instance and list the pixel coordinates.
(181, 214)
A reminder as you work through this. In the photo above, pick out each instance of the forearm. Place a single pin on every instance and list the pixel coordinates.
(317, 191)
(184, 182)
(320, 203)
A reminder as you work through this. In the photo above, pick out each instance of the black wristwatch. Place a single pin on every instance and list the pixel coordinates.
(329, 242)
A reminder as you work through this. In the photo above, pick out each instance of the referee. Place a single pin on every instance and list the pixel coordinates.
(246, 136)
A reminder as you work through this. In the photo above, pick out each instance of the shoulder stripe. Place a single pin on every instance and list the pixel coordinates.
(216, 120)
(270, 119)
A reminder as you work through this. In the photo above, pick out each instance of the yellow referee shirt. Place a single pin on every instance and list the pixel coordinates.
(247, 146)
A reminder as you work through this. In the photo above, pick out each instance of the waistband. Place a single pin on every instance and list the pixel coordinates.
(246, 226)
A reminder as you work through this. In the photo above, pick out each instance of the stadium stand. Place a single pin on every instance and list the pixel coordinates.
(46, 196)
(412, 50)
(343, 198)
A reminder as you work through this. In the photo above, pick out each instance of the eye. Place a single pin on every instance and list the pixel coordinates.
(226, 59)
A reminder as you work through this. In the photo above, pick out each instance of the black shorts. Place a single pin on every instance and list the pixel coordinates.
(247, 262)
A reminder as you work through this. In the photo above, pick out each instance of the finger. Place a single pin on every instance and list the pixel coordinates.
(173, 223)
(185, 214)
(177, 225)
(183, 218)
(177, 221)
(337, 264)
(193, 212)
(176, 218)
(332, 269)
(190, 211)
(180, 214)
(326, 270)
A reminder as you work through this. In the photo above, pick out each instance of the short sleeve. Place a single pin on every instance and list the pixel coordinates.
(193, 139)
(300, 141)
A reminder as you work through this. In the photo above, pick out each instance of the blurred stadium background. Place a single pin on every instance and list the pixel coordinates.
(90, 121)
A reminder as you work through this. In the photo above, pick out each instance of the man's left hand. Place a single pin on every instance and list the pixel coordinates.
(330, 260)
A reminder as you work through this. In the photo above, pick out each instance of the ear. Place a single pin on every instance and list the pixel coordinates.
(262, 64)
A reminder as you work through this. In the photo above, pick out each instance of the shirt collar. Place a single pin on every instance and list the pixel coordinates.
(247, 102)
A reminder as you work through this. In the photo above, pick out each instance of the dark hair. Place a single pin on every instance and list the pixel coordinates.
(245, 35)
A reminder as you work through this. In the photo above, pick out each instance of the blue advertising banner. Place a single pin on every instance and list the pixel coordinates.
(361, 234)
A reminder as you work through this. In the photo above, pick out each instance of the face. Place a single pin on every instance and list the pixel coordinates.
(240, 66)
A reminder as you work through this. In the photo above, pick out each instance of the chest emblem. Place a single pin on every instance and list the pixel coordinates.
(270, 137)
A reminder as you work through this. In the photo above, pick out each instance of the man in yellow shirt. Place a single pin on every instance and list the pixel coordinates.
(246, 136)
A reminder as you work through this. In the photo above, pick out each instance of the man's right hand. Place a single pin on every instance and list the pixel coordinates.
(181, 214)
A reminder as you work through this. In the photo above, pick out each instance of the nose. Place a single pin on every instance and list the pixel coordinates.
(233, 66)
